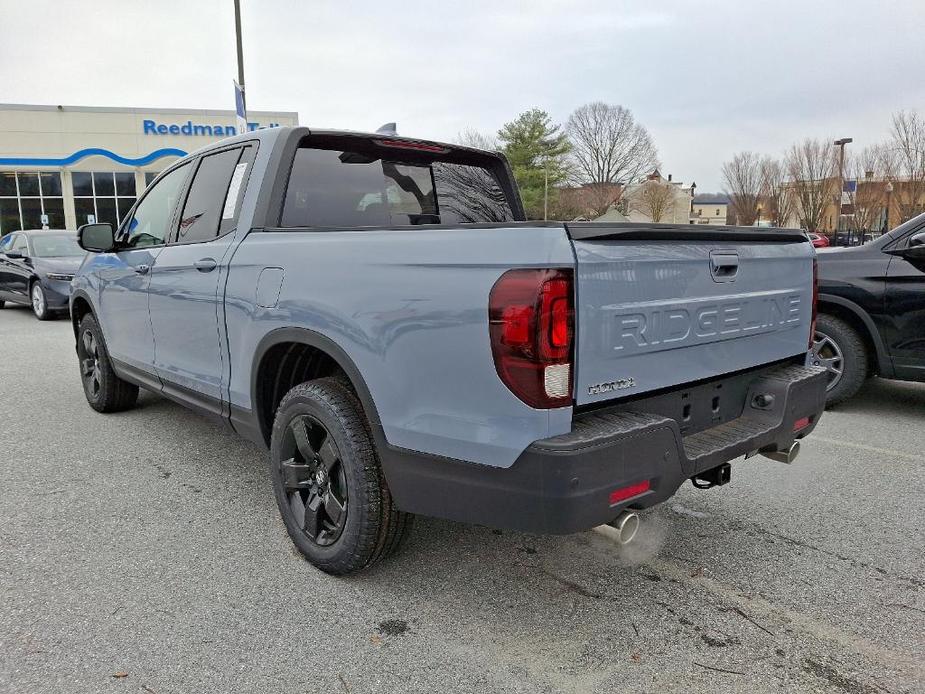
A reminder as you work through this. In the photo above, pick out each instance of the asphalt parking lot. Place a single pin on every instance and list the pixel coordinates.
(142, 552)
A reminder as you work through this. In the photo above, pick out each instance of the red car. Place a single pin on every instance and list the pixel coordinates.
(819, 241)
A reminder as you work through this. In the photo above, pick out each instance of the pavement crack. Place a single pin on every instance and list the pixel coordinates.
(742, 614)
(717, 669)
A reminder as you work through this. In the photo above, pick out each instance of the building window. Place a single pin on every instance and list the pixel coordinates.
(103, 196)
(26, 195)
(150, 176)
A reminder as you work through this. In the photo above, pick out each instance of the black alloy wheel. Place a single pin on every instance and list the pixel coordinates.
(329, 485)
(105, 391)
(90, 373)
(314, 479)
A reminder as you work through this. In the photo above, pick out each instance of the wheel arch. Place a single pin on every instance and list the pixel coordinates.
(288, 354)
(80, 307)
(858, 319)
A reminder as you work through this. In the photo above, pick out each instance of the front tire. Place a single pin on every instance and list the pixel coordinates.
(840, 349)
(104, 390)
(39, 302)
(328, 483)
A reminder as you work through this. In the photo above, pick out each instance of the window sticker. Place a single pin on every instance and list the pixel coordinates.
(234, 190)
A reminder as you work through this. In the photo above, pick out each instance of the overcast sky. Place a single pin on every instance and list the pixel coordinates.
(706, 78)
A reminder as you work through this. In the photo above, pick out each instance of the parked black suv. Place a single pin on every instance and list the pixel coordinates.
(872, 310)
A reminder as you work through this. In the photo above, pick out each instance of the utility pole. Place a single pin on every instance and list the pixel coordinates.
(841, 177)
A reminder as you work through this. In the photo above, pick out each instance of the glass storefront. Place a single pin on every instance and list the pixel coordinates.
(103, 196)
(27, 195)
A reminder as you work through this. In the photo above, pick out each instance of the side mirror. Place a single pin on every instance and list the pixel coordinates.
(14, 255)
(96, 238)
(916, 248)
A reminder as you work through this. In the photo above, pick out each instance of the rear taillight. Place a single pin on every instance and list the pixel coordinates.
(531, 316)
(812, 325)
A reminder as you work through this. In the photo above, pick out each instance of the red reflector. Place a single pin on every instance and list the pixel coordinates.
(801, 423)
(624, 493)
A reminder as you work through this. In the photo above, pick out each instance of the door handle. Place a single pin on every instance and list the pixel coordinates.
(205, 264)
(142, 269)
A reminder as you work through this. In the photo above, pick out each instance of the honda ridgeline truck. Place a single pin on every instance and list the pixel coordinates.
(376, 311)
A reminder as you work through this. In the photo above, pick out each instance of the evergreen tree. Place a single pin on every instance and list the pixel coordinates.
(535, 147)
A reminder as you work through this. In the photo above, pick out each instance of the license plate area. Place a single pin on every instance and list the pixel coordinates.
(699, 406)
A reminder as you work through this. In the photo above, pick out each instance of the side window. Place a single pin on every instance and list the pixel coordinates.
(149, 223)
(20, 244)
(208, 211)
(5, 243)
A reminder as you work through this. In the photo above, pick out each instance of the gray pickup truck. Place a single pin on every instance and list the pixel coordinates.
(376, 311)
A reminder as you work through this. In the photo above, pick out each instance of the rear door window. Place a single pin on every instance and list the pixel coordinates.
(208, 211)
(341, 188)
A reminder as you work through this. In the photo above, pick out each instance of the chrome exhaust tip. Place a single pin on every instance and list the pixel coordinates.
(626, 525)
(787, 456)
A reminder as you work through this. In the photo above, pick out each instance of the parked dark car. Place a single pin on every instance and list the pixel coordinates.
(872, 310)
(36, 269)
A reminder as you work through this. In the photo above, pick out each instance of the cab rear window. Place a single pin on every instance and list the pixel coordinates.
(371, 187)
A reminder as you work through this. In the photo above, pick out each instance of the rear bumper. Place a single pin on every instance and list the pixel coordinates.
(563, 484)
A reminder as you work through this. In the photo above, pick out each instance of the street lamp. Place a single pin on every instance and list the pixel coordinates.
(840, 143)
(889, 200)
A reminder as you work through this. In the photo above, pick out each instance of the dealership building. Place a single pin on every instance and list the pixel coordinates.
(63, 166)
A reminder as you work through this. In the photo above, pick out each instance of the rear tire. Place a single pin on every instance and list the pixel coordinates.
(328, 483)
(2, 304)
(838, 347)
(104, 390)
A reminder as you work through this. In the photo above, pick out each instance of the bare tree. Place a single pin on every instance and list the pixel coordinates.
(867, 195)
(470, 137)
(653, 198)
(904, 162)
(743, 181)
(777, 198)
(608, 147)
(813, 170)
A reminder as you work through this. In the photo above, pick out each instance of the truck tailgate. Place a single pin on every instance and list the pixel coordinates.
(661, 305)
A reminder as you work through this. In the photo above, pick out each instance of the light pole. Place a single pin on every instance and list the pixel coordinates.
(237, 33)
(889, 201)
(841, 176)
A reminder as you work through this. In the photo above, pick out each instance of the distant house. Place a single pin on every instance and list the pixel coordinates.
(657, 199)
(586, 201)
(709, 208)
